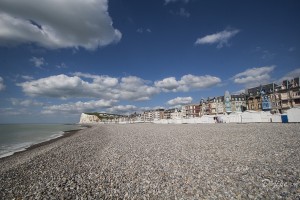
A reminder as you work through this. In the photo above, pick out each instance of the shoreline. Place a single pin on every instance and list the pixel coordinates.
(47, 142)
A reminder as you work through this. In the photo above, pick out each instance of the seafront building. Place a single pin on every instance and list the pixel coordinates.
(147, 116)
(238, 102)
(274, 98)
(256, 95)
(174, 113)
(212, 106)
(290, 94)
(280, 97)
(191, 110)
(158, 114)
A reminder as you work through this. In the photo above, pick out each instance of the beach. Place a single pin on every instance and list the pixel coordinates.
(153, 161)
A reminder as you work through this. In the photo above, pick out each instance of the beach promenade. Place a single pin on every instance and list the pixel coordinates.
(154, 161)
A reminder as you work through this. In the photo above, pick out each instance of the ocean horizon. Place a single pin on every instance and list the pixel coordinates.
(18, 137)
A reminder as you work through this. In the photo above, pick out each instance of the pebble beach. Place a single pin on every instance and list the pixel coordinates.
(151, 161)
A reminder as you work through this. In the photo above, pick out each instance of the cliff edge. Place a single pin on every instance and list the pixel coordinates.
(88, 119)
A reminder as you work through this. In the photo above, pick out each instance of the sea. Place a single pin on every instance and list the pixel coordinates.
(18, 137)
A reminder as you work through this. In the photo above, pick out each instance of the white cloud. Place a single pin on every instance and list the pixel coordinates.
(27, 78)
(38, 62)
(199, 82)
(121, 109)
(57, 24)
(221, 38)
(242, 91)
(78, 107)
(60, 86)
(105, 87)
(292, 74)
(102, 80)
(254, 76)
(180, 101)
(2, 86)
(135, 88)
(173, 1)
(187, 82)
(63, 86)
(168, 84)
(26, 102)
(129, 88)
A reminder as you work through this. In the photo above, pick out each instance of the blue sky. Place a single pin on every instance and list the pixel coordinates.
(61, 58)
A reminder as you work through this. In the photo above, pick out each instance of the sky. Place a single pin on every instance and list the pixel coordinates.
(59, 58)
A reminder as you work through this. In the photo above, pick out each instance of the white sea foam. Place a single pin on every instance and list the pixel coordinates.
(18, 137)
(8, 150)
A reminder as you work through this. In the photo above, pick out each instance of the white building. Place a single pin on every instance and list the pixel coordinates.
(158, 114)
(176, 114)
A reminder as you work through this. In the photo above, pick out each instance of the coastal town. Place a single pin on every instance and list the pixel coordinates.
(264, 103)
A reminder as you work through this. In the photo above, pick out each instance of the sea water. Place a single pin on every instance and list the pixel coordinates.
(18, 137)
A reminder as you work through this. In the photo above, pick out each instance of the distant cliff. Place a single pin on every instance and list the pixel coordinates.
(88, 119)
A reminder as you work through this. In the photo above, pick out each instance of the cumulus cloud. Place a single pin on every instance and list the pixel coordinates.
(57, 24)
(133, 87)
(38, 62)
(167, 84)
(26, 102)
(63, 86)
(128, 88)
(78, 107)
(180, 101)
(290, 75)
(121, 109)
(60, 86)
(2, 86)
(102, 80)
(254, 76)
(187, 82)
(221, 38)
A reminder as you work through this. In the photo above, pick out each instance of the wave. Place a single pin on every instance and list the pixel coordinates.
(8, 150)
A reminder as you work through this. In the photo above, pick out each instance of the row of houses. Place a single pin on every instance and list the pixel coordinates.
(276, 98)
